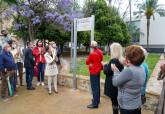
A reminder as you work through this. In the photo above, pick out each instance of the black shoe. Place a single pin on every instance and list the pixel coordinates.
(32, 88)
(92, 106)
(98, 103)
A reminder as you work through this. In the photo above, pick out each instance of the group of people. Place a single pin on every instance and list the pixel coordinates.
(126, 77)
(42, 57)
(45, 59)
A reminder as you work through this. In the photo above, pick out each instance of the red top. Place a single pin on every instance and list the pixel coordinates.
(39, 57)
(94, 61)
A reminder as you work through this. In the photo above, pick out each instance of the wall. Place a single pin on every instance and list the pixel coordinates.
(157, 34)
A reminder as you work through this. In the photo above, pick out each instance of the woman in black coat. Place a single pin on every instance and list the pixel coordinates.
(109, 89)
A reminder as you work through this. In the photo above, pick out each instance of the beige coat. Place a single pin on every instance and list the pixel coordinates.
(51, 67)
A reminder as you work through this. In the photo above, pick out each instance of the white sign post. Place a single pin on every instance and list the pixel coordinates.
(83, 24)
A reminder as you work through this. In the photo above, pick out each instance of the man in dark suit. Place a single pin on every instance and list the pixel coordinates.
(29, 64)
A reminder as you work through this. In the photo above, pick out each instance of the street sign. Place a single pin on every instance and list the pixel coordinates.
(85, 24)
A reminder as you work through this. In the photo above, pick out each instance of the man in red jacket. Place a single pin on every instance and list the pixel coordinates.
(38, 53)
(94, 62)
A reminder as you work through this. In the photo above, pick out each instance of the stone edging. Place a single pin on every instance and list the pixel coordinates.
(83, 84)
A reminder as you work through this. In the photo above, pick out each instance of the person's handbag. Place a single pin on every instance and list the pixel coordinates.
(36, 71)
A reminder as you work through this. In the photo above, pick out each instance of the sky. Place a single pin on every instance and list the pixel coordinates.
(124, 4)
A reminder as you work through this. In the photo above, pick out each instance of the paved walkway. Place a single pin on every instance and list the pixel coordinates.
(68, 101)
(154, 86)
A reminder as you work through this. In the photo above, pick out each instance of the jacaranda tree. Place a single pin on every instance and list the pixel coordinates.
(34, 18)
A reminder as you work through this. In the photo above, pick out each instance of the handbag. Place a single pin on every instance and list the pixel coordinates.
(36, 71)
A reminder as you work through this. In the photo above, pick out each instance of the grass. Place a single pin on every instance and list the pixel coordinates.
(82, 69)
(151, 61)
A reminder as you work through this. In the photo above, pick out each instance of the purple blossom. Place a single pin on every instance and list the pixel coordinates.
(51, 16)
(67, 26)
(14, 8)
(65, 5)
(26, 11)
(36, 20)
(60, 19)
(18, 26)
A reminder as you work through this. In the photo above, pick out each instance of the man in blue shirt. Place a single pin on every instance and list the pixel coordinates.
(8, 68)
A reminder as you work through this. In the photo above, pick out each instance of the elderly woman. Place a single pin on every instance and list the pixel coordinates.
(110, 90)
(51, 70)
(161, 105)
(130, 81)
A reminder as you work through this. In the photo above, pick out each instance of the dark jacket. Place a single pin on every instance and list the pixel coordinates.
(8, 61)
(29, 59)
(109, 89)
(1, 63)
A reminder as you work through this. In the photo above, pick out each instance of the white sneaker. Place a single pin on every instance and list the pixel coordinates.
(38, 84)
(6, 100)
(42, 84)
(50, 92)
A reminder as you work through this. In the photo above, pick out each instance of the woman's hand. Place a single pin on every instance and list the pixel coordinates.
(90, 65)
(114, 68)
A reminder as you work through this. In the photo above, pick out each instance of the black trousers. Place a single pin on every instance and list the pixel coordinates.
(115, 105)
(95, 86)
(135, 111)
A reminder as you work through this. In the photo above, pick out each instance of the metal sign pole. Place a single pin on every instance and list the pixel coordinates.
(75, 55)
(92, 29)
(71, 47)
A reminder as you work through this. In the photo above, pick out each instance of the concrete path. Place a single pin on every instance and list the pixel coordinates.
(154, 86)
(68, 101)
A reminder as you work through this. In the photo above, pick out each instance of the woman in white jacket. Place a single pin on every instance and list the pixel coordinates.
(51, 70)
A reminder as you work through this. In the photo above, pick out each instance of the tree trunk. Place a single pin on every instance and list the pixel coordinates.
(1, 21)
(148, 32)
(87, 48)
(30, 33)
(130, 10)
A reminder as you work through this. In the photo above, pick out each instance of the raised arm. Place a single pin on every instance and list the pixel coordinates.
(121, 78)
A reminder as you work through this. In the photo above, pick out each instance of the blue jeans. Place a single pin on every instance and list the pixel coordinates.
(95, 86)
(41, 68)
(29, 77)
(13, 80)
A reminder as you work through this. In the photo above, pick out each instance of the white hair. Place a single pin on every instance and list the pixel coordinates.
(116, 51)
(145, 52)
(4, 45)
(94, 44)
